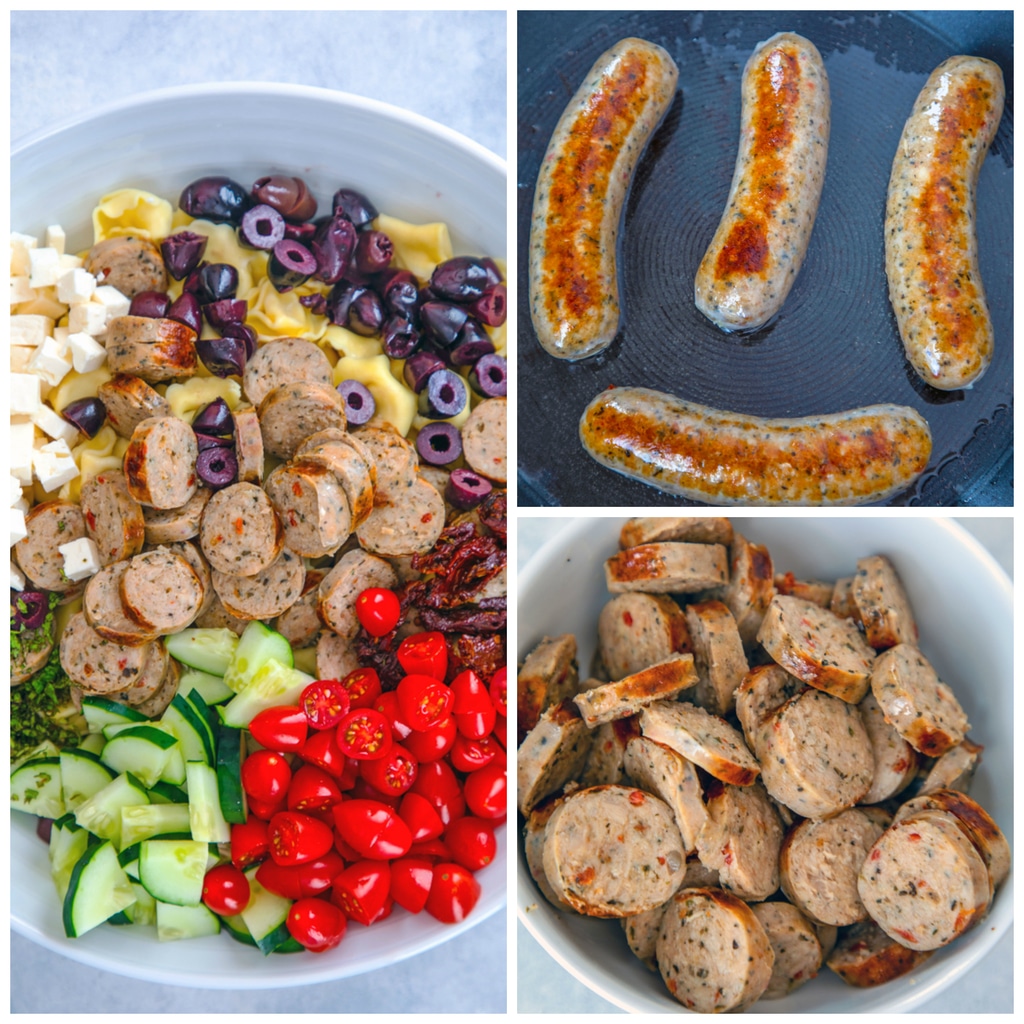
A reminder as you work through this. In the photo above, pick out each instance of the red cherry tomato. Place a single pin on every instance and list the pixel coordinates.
(470, 693)
(282, 728)
(433, 850)
(378, 610)
(475, 725)
(387, 705)
(423, 701)
(299, 880)
(312, 789)
(384, 911)
(468, 755)
(372, 828)
(362, 790)
(394, 773)
(324, 703)
(499, 691)
(363, 687)
(433, 742)
(419, 814)
(364, 734)
(266, 809)
(296, 838)
(472, 842)
(486, 792)
(437, 783)
(316, 924)
(362, 889)
(501, 730)
(249, 842)
(453, 893)
(411, 878)
(424, 654)
(225, 889)
(322, 750)
(266, 776)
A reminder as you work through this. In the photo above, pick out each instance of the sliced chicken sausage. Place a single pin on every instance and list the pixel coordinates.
(240, 533)
(160, 462)
(129, 400)
(113, 518)
(154, 349)
(129, 264)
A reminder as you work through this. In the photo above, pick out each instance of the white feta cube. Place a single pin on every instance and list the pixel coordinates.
(54, 425)
(20, 358)
(87, 354)
(68, 261)
(61, 335)
(44, 267)
(14, 489)
(115, 302)
(54, 465)
(18, 581)
(25, 395)
(20, 439)
(88, 317)
(44, 303)
(76, 285)
(21, 290)
(49, 363)
(81, 558)
(56, 238)
(21, 246)
(19, 531)
(30, 328)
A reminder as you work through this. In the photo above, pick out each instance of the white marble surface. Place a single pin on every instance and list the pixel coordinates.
(448, 66)
(543, 986)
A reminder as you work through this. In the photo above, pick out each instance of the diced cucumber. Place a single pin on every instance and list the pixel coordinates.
(36, 788)
(45, 749)
(272, 685)
(98, 889)
(101, 813)
(128, 858)
(142, 750)
(265, 915)
(143, 910)
(235, 927)
(100, 711)
(209, 650)
(82, 775)
(207, 820)
(67, 844)
(172, 870)
(193, 731)
(164, 793)
(205, 712)
(174, 922)
(256, 646)
(230, 755)
(174, 772)
(212, 688)
(144, 821)
(93, 743)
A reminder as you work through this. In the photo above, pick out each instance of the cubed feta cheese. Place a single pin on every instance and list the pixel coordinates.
(115, 302)
(44, 303)
(69, 262)
(88, 317)
(18, 580)
(61, 335)
(54, 425)
(19, 531)
(14, 489)
(21, 245)
(55, 238)
(87, 354)
(21, 290)
(24, 394)
(21, 436)
(30, 328)
(75, 285)
(44, 267)
(20, 358)
(49, 363)
(54, 465)
(81, 558)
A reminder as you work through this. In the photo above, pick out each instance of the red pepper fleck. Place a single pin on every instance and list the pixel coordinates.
(239, 526)
(627, 618)
(426, 517)
(297, 489)
(875, 854)
(636, 798)
(90, 520)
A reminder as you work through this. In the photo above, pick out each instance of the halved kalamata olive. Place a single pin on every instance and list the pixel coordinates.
(151, 304)
(300, 232)
(262, 227)
(223, 357)
(224, 312)
(359, 403)
(289, 196)
(444, 396)
(357, 308)
(418, 368)
(185, 309)
(332, 248)
(204, 441)
(373, 252)
(399, 337)
(494, 275)
(466, 489)
(439, 443)
(182, 253)
(492, 306)
(290, 265)
(315, 302)
(218, 199)
(216, 281)
(354, 206)
(87, 414)
(247, 335)
(217, 467)
(215, 419)
(490, 376)
(399, 292)
(468, 352)
(443, 321)
(191, 283)
(460, 279)
(29, 608)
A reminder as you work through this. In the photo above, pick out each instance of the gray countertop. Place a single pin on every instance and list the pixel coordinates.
(448, 66)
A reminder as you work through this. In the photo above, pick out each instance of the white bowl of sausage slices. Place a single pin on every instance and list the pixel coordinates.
(962, 604)
(413, 169)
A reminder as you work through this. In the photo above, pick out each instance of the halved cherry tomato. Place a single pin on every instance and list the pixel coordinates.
(378, 610)
(362, 790)
(453, 893)
(468, 755)
(316, 924)
(312, 789)
(392, 774)
(362, 889)
(472, 842)
(477, 724)
(324, 703)
(501, 730)
(322, 750)
(363, 687)
(486, 792)
(387, 705)
(298, 880)
(282, 728)
(372, 828)
(266, 809)
(499, 691)
(347, 854)
(225, 889)
(364, 734)
(249, 842)
(266, 776)
(420, 815)
(296, 838)
(411, 878)
(470, 693)
(424, 654)
(433, 850)
(437, 782)
(432, 742)
(423, 701)
(384, 911)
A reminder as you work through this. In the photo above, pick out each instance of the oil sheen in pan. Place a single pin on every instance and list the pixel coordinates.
(835, 344)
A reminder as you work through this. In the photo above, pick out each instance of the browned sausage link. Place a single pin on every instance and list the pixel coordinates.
(160, 462)
(131, 265)
(130, 400)
(153, 349)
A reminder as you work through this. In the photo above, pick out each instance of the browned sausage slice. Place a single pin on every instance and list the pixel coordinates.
(312, 507)
(955, 769)
(160, 462)
(335, 657)
(105, 612)
(201, 568)
(158, 703)
(161, 592)
(553, 752)
(798, 952)
(751, 587)
(248, 446)
(96, 664)
(669, 567)
(896, 761)
(611, 701)
(484, 444)
(130, 400)
(151, 348)
(695, 529)
(354, 572)
(129, 264)
(865, 957)
(299, 624)
(636, 630)
(816, 591)
(284, 361)
(173, 525)
(394, 459)
(351, 466)
(549, 674)
(292, 412)
(718, 656)
(240, 533)
(113, 518)
(265, 595)
(49, 525)
(883, 604)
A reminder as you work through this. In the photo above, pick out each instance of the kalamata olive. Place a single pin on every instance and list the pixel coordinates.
(357, 308)
(290, 265)
(192, 283)
(359, 403)
(444, 396)
(218, 199)
(399, 292)
(186, 310)
(289, 196)
(204, 441)
(399, 337)
(443, 321)
(151, 304)
(460, 279)
(245, 333)
(373, 252)
(466, 489)
(354, 206)
(492, 306)
(223, 357)
(182, 253)
(439, 443)
(494, 274)
(262, 227)
(215, 419)
(216, 281)
(225, 311)
(217, 467)
(29, 608)
(87, 414)
(418, 368)
(300, 232)
(332, 248)
(468, 352)
(490, 376)
(315, 302)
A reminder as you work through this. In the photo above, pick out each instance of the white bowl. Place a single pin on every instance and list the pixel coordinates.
(963, 603)
(409, 167)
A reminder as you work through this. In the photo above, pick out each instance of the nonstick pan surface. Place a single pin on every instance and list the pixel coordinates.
(835, 344)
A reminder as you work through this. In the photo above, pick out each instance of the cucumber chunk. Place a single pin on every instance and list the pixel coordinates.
(209, 650)
(191, 729)
(101, 814)
(265, 916)
(211, 688)
(36, 788)
(144, 821)
(66, 848)
(98, 889)
(142, 750)
(172, 870)
(230, 755)
(82, 775)
(274, 684)
(175, 922)
(257, 645)
(102, 711)
(206, 818)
